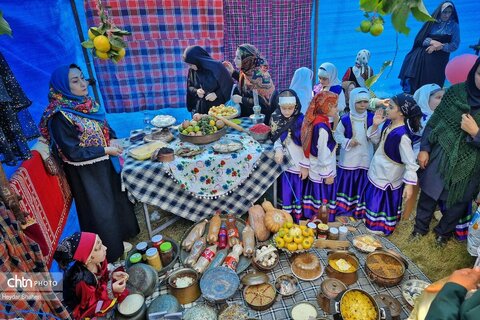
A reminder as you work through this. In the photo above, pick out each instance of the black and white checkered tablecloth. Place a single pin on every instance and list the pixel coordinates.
(146, 182)
(308, 290)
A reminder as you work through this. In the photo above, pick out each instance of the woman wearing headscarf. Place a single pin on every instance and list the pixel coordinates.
(450, 157)
(360, 71)
(79, 135)
(208, 84)
(427, 60)
(302, 85)
(286, 126)
(253, 75)
(328, 81)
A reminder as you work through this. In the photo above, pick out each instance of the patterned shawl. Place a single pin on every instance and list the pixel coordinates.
(278, 123)
(254, 72)
(316, 113)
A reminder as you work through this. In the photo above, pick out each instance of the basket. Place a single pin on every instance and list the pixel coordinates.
(203, 139)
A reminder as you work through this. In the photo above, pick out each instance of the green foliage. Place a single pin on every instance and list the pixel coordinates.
(399, 10)
(88, 44)
(370, 81)
(4, 26)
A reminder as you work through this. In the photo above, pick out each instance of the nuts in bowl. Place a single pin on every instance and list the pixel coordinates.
(266, 257)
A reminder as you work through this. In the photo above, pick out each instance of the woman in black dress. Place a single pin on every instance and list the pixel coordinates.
(81, 139)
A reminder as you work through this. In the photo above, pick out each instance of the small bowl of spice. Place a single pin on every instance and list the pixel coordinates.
(163, 155)
(260, 132)
(286, 285)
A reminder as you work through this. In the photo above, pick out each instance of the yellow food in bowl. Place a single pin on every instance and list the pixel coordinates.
(342, 265)
(355, 305)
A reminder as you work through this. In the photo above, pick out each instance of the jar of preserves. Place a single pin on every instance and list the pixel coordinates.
(166, 253)
(153, 259)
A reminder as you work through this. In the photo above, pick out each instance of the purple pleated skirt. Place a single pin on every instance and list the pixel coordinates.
(314, 195)
(351, 184)
(292, 192)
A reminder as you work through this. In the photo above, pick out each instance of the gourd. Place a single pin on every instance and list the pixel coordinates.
(256, 216)
(274, 218)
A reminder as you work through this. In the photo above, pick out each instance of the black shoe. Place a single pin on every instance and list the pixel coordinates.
(441, 241)
(415, 235)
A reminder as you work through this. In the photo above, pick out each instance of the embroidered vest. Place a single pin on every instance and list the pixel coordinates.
(316, 133)
(392, 142)
(347, 124)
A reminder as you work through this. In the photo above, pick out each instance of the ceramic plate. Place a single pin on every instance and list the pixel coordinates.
(163, 121)
(412, 289)
(366, 243)
(227, 146)
(219, 284)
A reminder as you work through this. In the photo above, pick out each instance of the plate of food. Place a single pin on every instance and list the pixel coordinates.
(366, 243)
(412, 289)
(188, 150)
(163, 121)
(223, 111)
(227, 146)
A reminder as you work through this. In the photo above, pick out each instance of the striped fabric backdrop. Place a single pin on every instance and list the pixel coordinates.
(280, 29)
(152, 75)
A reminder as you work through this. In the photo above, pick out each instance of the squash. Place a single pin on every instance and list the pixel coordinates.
(288, 216)
(256, 217)
(274, 218)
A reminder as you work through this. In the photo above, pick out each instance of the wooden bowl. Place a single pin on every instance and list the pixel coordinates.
(203, 139)
(257, 265)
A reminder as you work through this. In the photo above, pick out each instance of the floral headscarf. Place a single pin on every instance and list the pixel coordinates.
(361, 70)
(254, 71)
(316, 113)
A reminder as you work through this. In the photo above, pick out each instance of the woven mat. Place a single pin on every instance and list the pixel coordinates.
(308, 290)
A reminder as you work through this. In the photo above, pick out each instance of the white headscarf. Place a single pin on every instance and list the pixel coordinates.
(328, 70)
(302, 85)
(361, 66)
(422, 96)
(358, 94)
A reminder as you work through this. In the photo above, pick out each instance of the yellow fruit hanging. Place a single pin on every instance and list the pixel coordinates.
(101, 43)
(101, 55)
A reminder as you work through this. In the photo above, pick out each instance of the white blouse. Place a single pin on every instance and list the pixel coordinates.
(295, 152)
(325, 164)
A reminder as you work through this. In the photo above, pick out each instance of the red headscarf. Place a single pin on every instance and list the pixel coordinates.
(316, 113)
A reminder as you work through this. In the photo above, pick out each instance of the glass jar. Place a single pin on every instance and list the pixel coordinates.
(322, 231)
(166, 253)
(313, 226)
(135, 258)
(333, 234)
(153, 259)
(142, 249)
(342, 233)
(157, 240)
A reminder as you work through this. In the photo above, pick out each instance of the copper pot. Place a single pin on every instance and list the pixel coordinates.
(385, 267)
(187, 294)
(383, 312)
(346, 277)
(330, 289)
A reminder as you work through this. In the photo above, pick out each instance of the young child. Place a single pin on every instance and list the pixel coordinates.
(286, 124)
(302, 85)
(356, 151)
(328, 81)
(88, 288)
(392, 166)
(319, 147)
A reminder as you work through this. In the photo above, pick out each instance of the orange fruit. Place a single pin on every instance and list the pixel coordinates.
(376, 29)
(101, 55)
(101, 43)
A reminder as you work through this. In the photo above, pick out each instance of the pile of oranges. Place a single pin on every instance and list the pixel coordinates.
(294, 237)
(106, 44)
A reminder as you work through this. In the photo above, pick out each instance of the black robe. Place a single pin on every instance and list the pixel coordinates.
(101, 205)
(203, 79)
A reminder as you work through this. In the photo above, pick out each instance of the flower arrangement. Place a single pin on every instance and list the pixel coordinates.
(106, 40)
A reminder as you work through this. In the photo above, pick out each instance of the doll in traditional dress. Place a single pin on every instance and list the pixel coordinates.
(89, 289)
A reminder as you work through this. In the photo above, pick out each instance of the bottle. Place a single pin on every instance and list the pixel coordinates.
(153, 259)
(323, 212)
(231, 261)
(232, 230)
(166, 253)
(207, 256)
(222, 237)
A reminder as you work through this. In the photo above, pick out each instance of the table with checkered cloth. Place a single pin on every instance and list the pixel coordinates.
(148, 183)
(308, 290)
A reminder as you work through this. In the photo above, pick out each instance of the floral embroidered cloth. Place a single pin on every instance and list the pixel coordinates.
(211, 174)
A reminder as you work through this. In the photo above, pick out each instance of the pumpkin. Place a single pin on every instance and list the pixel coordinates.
(288, 216)
(256, 217)
(274, 218)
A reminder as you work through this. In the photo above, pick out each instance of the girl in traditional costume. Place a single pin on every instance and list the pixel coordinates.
(319, 147)
(393, 170)
(286, 125)
(360, 71)
(328, 81)
(89, 289)
(356, 151)
(302, 85)
(208, 84)
(80, 137)
(450, 157)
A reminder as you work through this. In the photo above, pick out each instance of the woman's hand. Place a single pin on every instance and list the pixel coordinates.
(423, 158)
(279, 156)
(229, 66)
(113, 151)
(237, 98)
(200, 93)
(116, 143)
(329, 180)
(378, 118)
(303, 173)
(469, 125)
(353, 143)
(212, 96)
(407, 192)
(119, 286)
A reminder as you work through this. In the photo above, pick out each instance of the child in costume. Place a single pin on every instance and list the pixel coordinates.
(319, 147)
(286, 125)
(356, 151)
(89, 289)
(393, 170)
